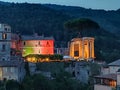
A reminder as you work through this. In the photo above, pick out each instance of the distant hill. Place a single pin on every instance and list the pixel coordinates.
(109, 20)
(49, 20)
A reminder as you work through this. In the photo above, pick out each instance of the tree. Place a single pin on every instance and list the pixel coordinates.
(12, 85)
(81, 25)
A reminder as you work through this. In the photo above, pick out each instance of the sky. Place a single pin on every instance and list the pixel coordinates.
(94, 4)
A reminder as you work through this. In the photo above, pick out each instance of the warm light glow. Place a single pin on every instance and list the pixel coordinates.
(47, 59)
(112, 83)
(82, 48)
(31, 59)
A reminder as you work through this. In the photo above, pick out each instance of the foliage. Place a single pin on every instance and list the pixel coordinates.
(53, 67)
(27, 69)
(81, 24)
(12, 85)
(62, 81)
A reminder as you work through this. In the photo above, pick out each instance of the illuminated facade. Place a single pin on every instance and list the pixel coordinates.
(37, 45)
(82, 48)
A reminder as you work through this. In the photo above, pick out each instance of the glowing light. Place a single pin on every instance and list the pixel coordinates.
(47, 59)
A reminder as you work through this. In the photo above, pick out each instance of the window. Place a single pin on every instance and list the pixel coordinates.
(24, 43)
(78, 73)
(76, 50)
(5, 69)
(47, 45)
(3, 59)
(5, 29)
(76, 53)
(39, 43)
(3, 47)
(39, 51)
(4, 36)
(12, 69)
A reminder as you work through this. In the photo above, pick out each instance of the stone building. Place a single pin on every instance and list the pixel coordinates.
(109, 79)
(11, 66)
(80, 70)
(82, 48)
(13, 69)
(5, 41)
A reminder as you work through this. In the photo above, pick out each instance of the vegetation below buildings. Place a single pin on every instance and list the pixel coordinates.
(51, 66)
(49, 20)
(61, 81)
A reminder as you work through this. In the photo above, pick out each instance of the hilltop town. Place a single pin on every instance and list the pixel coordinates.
(52, 47)
(40, 55)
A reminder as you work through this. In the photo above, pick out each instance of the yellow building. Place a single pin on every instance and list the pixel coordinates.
(82, 48)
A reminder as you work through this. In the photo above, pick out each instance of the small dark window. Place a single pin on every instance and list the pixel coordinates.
(3, 47)
(5, 29)
(39, 51)
(24, 43)
(73, 74)
(3, 59)
(76, 53)
(47, 45)
(78, 73)
(39, 43)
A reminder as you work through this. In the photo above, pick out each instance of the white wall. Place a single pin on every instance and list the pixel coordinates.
(102, 87)
(10, 73)
(105, 71)
(114, 69)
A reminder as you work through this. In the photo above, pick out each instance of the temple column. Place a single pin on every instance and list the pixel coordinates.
(82, 48)
(88, 50)
(93, 49)
(72, 49)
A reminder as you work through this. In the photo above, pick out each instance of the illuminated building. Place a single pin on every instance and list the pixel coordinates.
(82, 48)
(37, 45)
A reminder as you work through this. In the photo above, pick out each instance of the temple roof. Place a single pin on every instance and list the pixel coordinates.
(83, 38)
(14, 62)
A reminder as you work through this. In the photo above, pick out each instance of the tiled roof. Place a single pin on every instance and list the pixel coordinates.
(11, 63)
(115, 63)
(107, 76)
(25, 37)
